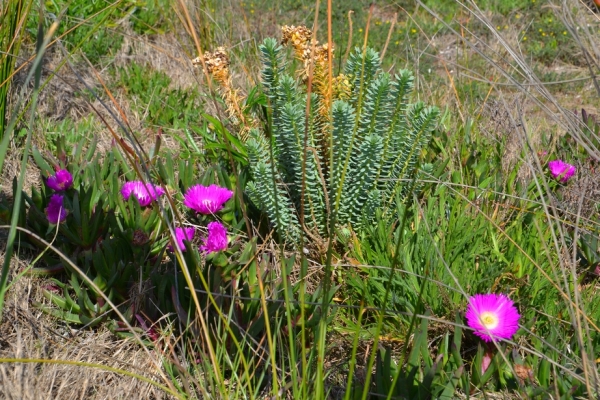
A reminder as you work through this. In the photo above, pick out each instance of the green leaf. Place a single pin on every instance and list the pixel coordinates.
(47, 170)
(59, 314)
(543, 374)
(61, 302)
(76, 210)
(450, 388)
(91, 152)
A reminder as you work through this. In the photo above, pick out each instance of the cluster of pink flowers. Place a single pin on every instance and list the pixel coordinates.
(61, 180)
(206, 200)
(202, 199)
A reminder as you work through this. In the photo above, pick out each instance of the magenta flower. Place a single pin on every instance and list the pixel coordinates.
(206, 199)
(55, 212)
(182, 234)
(561, 170)
(144, 193)
(217, 238)
(61, 180)
(492, 316)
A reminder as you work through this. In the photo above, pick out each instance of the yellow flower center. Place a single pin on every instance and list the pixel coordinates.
(489, 320)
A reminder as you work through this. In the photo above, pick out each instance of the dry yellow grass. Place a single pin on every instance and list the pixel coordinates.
(27, 333)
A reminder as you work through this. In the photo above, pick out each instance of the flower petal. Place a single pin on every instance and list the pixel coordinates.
(55, 212)
(206, 199)
(216, 239)
(144, 193)
(182, 234)
(61, 180)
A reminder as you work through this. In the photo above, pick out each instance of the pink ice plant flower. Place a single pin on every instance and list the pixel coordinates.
(61, 180)
(56, 212)
(182, 234)
(492, 316)
(216, 239)
(206, 199)
(561, 170)
(144, 193)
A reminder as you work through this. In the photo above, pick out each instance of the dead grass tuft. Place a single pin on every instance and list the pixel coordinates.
(160, 52)
(60, 94)
(12, 169)
(28, 333)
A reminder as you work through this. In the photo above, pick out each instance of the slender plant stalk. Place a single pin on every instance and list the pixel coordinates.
(35, 73)
(12, 20)
(352, 363)
(290, 330)
(272, 352)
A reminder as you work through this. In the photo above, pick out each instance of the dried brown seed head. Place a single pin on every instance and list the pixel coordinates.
(296, 35)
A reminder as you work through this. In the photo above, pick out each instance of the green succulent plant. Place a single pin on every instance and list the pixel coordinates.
(341, 162)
